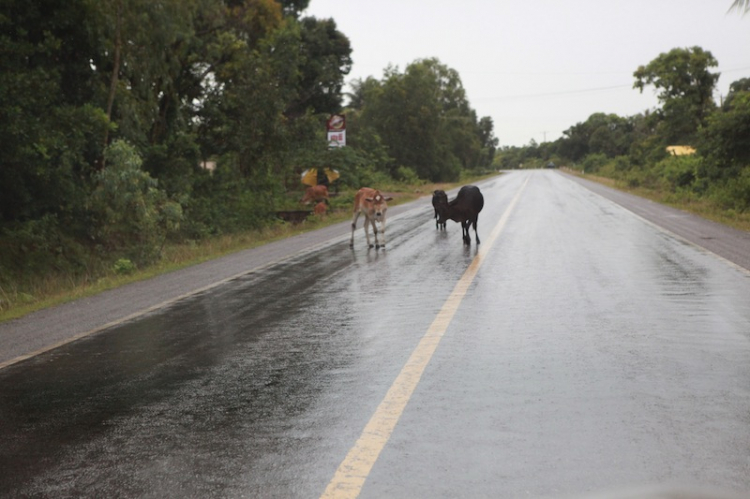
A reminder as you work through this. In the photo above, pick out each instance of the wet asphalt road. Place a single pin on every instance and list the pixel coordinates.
(590, 351)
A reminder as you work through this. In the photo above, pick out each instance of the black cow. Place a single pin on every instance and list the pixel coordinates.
(464, 209)
(439, 197)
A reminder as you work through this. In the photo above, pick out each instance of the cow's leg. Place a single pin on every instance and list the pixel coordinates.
(354, 226)
(367, 230)
(382, 230)
(465, 231)
(476, 235)
(375, 232)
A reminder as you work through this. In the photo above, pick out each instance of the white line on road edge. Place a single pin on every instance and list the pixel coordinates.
(354, 470)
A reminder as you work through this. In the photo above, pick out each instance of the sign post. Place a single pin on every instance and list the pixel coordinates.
(336, 130)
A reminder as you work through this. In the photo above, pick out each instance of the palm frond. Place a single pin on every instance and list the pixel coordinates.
(742, 6)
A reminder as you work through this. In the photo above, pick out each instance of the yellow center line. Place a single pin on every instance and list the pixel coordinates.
(350, 476)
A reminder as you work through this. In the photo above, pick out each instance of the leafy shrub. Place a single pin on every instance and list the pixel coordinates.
(408, 176)
(678, 171)
(123, 266)
(227, 201)
(132, 217)
(593, 162)
(734, 194)
(31, 246)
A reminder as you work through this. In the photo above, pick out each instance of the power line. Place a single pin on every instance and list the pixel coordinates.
(552, 94)
(582, 91)
(733, 70)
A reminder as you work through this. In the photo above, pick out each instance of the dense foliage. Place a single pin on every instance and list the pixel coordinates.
(110, 111)
(634, 149)
(424, 117)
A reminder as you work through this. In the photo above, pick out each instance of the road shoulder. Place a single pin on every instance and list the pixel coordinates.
(727, 243)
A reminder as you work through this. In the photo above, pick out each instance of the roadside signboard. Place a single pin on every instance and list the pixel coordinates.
(336, 130)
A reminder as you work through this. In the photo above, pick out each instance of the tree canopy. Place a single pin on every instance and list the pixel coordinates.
(685, 85)
(239, 82)
(424, 117)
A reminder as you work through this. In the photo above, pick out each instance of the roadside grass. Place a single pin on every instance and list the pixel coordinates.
(52, 290)
(698, 206)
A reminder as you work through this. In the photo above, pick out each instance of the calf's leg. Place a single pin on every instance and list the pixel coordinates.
(354, 226)
(369, 221)
(382, 232)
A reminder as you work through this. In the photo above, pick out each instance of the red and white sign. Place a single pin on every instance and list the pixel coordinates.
(336, 123)
(336, 130)
(337, 139)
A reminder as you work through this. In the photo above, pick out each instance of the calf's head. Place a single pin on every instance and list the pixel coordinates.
(378, 205)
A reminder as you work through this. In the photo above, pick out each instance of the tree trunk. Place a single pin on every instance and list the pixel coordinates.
(115, 70)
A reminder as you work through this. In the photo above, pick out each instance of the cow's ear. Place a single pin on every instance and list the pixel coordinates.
(369, 200)
(389, 198)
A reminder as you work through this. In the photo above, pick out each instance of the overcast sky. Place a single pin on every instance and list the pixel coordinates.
(539, 67)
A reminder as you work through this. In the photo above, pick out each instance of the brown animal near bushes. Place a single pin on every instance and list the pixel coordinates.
(315, 194)
(320, 208)
(464, 209)
(372, 204)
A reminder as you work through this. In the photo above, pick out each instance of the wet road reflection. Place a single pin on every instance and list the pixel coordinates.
(592, 351)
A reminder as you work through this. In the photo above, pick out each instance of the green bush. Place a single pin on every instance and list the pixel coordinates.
(131, 215)
(594, 162)
(123, 266)
(408, 176)
(228, 201)
(31, 246)
(734, 194)
(678, 171)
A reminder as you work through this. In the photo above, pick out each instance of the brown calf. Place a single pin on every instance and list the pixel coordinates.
(373, 205)
(315, 193)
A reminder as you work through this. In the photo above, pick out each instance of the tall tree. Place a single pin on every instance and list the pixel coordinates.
(47, 124)
(685, 85)
(326, 60)
(405, 112)
(487, 140)
(360, 88)
(425, 120)
(735, 88)
(293, 8)
(250, 74)
(725, 140)
(144, 53)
